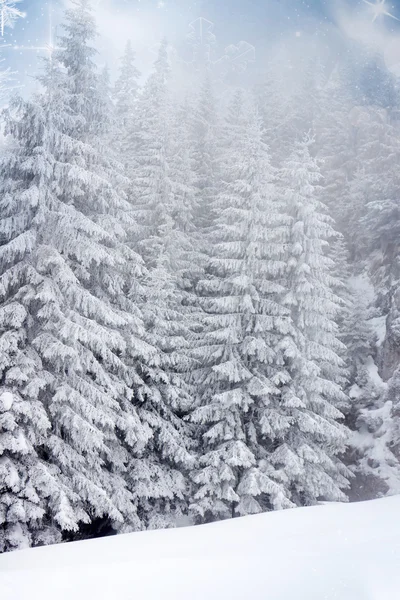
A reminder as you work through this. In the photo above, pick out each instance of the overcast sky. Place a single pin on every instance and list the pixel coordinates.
(259, 22)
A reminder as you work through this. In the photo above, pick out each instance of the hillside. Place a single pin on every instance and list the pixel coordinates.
(328, 552)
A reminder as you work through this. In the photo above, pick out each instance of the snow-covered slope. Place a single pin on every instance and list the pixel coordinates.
(329, 552)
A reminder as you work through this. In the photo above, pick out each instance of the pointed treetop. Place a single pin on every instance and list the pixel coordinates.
(80, 30)
(162, 64)
(127, 86)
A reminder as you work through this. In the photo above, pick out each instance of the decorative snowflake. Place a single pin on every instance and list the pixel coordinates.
(50, 46)
(202, 40)
(379, 9)
(9, 14)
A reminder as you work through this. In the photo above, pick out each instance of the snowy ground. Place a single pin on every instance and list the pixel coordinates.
(330, 552)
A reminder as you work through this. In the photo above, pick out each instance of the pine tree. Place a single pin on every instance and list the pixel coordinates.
(160, 197)
(373, 222)
(308, 452)
(159, 477)
(276, 105)
(382, 224)
(126, 88)
(368, 450)
(239, 375)
(177, 332)
(374, 451)
(64, 261)
(390, 431)
(125, 95)
(336, 145)
(338, 254)
(289, 105)
(25, 423)
(205, 156)
(373, 191)
(358, 338)
(151, 194)
(184, 252)
(26, 482)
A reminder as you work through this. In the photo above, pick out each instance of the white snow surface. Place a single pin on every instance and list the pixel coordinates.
(6, 401)
(373, 372)
(379, 326)
(361, 285)
(328, 552)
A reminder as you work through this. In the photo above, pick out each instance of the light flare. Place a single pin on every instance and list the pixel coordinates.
(9, 14)
(379, 9)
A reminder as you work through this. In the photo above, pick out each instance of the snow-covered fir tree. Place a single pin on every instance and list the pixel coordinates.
(126, 87)
(125, 95)
(368, 450)
(26, 481)
(374, 450)
(178, 330)
(160, 197)
(65, 262)
(289, 104)
(337, 252)
(159, 477)
(359, 339)
(387, 451)
(151, 192)
(239, 371)
(335, 144)
(275, 102)
(205, 154)
(185, 252)
(381, 225)
(308, 451)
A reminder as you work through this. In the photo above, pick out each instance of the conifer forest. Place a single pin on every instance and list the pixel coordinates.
(199, 283)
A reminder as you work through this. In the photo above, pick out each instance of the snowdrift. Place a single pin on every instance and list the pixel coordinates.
(328, 552)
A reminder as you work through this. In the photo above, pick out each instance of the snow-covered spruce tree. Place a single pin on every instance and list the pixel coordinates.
(158, 195)
(387, 446)
(382, 225)
(23, 476)
(359, 339)
(374, 221)
(126, 87)
(289, 104)
(205, 131)
(372, 189)
(185, 253)
(159, 477)
(308, 451)
(27, 484)
(162, 190)
(337, 252)
(335, 145)
(125, 94)
(273, 105)
(65, 262)
(368, 455)
(279, 104)
(374, 455)
(240, 371)
(151, 189)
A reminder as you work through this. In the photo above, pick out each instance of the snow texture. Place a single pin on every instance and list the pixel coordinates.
(6, 401)
(329, 552)
(199, 290)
